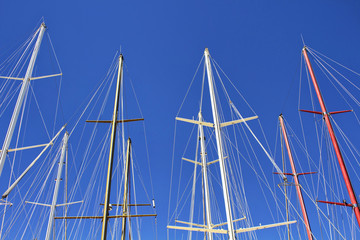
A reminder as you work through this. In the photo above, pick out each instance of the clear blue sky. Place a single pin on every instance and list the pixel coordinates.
(257, 43)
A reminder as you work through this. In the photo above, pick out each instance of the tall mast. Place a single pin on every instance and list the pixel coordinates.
(111, 155)
(295, 174)
(219, 145)
(57, 185)
(20, 99)
(126, 189)
(66, 193)
(205, 176)
(326, 117)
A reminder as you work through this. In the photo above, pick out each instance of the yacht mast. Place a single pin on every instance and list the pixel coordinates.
(57, 185)
(205, 176)
(297, 184)
(326, 117)
(23, 91)
(126, 190)
(220, 150)
(111, 155)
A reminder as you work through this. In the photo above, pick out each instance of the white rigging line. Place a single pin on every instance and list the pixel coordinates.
(238, 113)
(192, 81)
(312, 51)
(145, 136)
(319, 61)
(258, 141)
(58, 104)
(41, 115)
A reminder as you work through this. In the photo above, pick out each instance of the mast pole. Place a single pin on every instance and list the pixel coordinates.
(220, 150)
(205, 176)
(191, 215)
(326, 117)
(126, 189)
(111, 155)
(20, 99)
(285, 183)
(297, 184)
(66, 192)
(57, 185)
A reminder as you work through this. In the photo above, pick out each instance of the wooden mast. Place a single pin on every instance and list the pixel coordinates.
(126, 190)
(295, 174)
(326, 117)
(111, 154)
(24, 89)
(126, 215)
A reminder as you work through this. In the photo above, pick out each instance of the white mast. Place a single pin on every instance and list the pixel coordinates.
(206, 183)
(219, 145)
(24, 89)
(57, 185)
(191, 217)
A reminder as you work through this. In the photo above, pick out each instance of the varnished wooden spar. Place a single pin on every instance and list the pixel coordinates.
(126, 189)
(125, 215)
(112, 148)
(117, 121)
(130, 205)
(125, 204)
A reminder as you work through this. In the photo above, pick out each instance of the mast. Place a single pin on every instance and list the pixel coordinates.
(297, 184)
(126, 189)
(20, 99)
(205, 177)
(220, 150)
(191, 217)
(57, 185)
(210, 228)
(66, 193)
(326, 117)
(111, 155)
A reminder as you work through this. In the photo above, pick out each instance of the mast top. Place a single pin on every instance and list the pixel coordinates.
(206, 51)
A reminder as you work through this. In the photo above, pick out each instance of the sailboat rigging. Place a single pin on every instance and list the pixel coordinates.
(208, 227)
(23, 92)
(126, 215)
(32, 47)
(334, 148)
(326, 116)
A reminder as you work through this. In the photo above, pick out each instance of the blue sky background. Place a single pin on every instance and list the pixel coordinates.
(257, 43)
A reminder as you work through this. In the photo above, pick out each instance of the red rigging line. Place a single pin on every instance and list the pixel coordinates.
(297, 184)
(326, 118)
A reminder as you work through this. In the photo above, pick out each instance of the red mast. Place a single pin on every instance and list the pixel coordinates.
(326, 117)
(297, 184)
